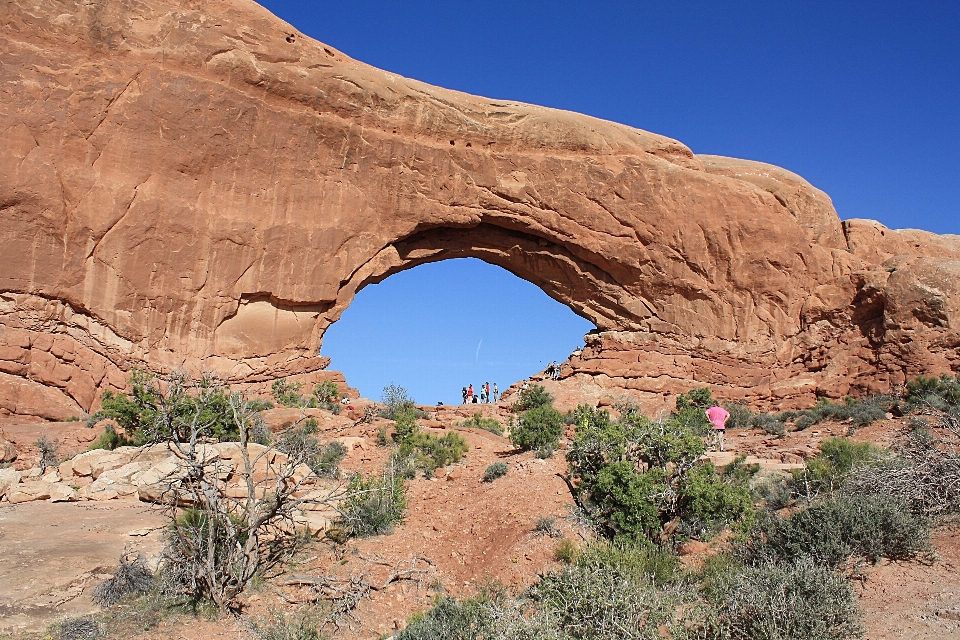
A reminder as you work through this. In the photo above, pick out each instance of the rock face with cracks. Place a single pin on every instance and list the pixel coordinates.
(201, 186)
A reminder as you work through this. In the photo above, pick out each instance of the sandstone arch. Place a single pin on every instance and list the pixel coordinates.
(188, 188)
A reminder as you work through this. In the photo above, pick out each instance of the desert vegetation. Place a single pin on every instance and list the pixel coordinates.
(793, 542)
(785, 548)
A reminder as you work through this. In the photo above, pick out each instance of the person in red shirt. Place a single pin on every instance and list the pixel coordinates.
(717, 416)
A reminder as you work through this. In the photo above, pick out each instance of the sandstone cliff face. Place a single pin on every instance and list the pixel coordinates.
(198, 185)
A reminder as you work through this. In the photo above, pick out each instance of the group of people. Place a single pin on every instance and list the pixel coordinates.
(485, 396)
(553, 370)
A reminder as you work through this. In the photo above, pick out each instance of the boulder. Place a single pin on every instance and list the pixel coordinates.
(8, 452)
(9, 479)
(31, 491)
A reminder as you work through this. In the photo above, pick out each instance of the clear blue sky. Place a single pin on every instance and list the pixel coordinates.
(862, 99)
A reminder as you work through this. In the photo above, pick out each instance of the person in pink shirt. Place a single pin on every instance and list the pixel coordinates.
(717, 416)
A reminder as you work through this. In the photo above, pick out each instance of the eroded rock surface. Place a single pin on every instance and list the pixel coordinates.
(201, 186)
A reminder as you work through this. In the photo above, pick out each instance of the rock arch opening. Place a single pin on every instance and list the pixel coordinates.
(442, 325)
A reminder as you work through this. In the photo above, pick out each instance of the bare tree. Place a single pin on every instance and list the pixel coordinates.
(235, 510)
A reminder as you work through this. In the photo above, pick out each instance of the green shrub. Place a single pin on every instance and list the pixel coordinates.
(396, 401)
(826, 471)
(326, 392)
(373, 505)
(709, 502)
(287, 394)
(770, 424)
(537, 428)
(566, 551)
(494, 471)
(532, 397)
(833, 531)
(609, 592)
(479, 422)
(941, 393)
(109, 439)
(634, 476)
(428, 452)
(692, 410)
(741, 417)
(147, 415)
(405, 424)
(778, 601)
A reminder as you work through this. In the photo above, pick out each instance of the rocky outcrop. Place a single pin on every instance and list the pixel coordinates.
(201, 186)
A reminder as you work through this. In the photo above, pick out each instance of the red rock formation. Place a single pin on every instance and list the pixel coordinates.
(197, 185)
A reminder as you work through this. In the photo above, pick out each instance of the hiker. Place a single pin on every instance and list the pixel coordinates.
(464, 394)
(475, 399)
(717, 415)
(486, 386)
(556, 371)
(470, 394)
(496, 392)
(483, 394)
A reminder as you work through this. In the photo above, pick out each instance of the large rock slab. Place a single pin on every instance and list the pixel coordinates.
(201, 186)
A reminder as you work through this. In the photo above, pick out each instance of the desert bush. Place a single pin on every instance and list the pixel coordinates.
(826, 471)
(494, 471)
(287, 394)
(691, 410)
(799, 600)
(566, 551)
(547, 526)
(491, 614)
(479, 422)
(109, 439)
(260, 434)
(80, 629)
(941, 393)
(741, 417)
(544, 452)
(49, 452)
(150, 413)
(396, 400)
(277, 625)
(610, 591)
(710, 501)
(925, 474)
(532, 397)
(427, 452)
(373, 505)
(326, 393)
(215, 547)
(537, 428)
(835, 530)
(131, 577)
(634, 476)
(770, 424)
(323, 459)
(861, 412)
